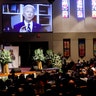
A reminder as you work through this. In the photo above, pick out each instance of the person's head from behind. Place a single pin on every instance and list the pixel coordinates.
(28, 12)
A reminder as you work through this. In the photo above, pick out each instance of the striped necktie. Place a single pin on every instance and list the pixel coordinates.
(28, 28)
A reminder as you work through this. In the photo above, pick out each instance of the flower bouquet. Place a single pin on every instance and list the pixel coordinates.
(39, 57)
(54, 58)
(5, 58)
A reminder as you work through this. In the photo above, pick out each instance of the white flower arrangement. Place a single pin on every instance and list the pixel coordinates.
(5, 56)
(49, 55)
(55, 59)
(38, 55)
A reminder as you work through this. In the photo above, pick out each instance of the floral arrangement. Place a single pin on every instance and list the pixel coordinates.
(56, 61)
(55, 58)
(5, 56)
(49, 55)
(38, 55)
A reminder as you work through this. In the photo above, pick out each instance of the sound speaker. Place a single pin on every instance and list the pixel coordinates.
(15, 70)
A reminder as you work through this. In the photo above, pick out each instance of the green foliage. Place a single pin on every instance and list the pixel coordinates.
(49, 55)
(38, 55)
(5, 56)
(55, 58)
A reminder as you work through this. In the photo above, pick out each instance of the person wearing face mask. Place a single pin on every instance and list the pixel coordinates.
(28, 25)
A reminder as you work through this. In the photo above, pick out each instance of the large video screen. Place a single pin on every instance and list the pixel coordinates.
(26, 18)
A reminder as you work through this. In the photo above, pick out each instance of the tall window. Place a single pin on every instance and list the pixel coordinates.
(65, 8)
(94, 8)
(80, 8)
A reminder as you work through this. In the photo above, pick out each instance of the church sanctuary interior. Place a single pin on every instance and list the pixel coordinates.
(57, 57)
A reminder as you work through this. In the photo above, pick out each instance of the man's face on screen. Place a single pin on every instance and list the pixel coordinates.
(28, 13)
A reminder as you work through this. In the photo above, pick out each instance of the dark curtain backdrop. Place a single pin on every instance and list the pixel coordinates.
(26, 51)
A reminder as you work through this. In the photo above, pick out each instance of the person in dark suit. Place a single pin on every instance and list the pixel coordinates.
(28, 25)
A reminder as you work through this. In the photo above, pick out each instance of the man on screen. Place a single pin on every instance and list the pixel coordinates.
(28, 25)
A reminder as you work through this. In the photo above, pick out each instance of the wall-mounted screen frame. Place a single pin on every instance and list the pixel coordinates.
(12, 14)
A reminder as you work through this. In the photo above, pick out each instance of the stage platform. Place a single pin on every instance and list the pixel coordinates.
(26, 71)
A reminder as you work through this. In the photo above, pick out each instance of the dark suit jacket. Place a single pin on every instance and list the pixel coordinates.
(36, 27)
